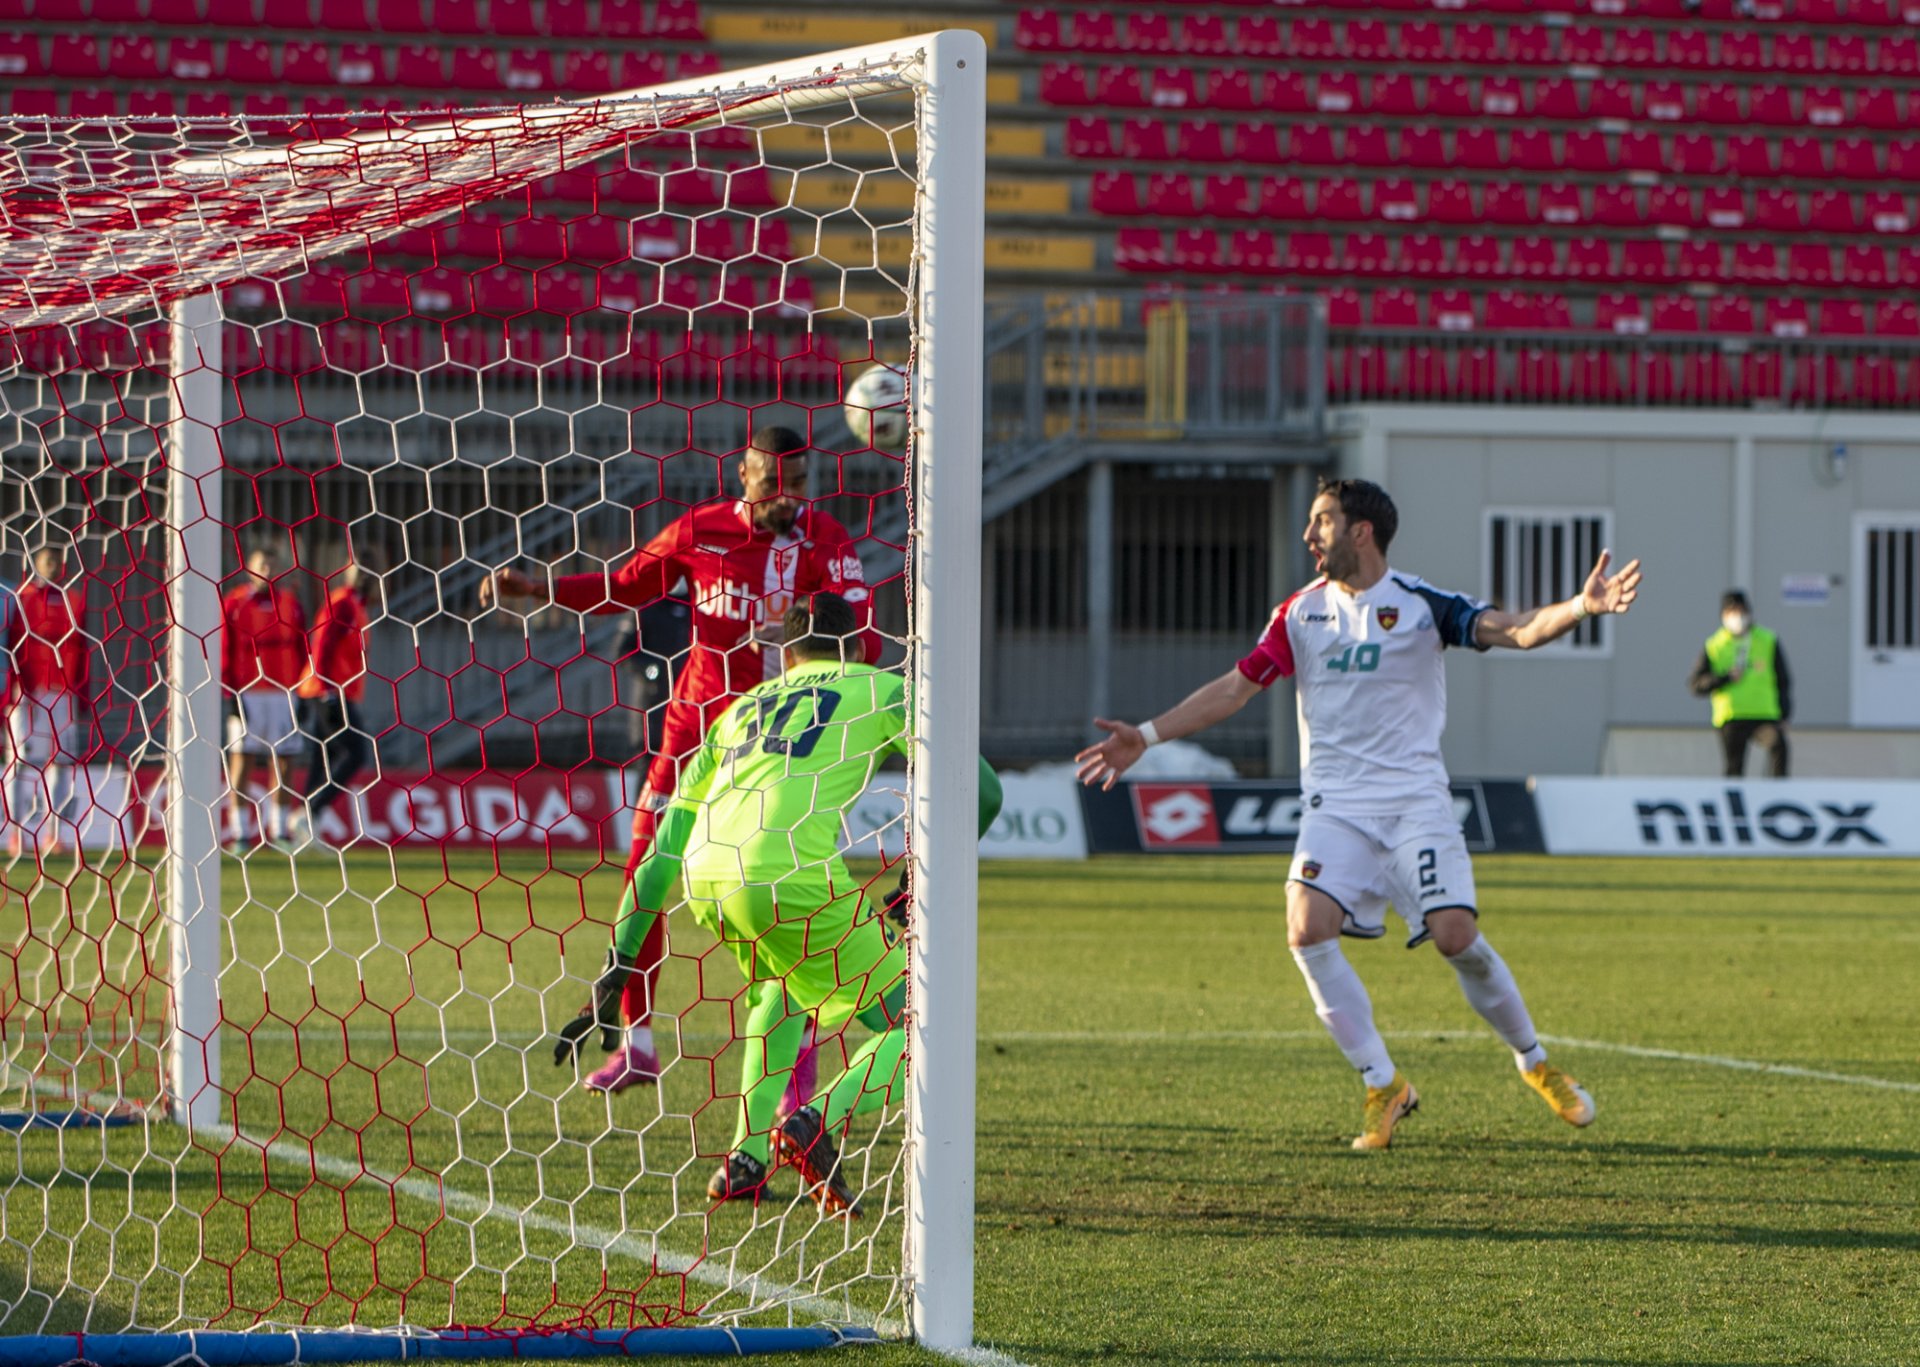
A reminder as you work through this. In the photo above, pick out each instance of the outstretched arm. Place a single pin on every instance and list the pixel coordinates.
(1603, 593)
(1207, 705)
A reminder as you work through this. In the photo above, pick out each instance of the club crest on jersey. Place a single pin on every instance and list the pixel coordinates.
(1387, 615)
(1309, 869)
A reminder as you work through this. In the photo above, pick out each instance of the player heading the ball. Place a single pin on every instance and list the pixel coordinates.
(1363, 645)
(754, 832)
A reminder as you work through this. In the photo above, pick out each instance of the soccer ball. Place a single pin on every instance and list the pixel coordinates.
(876, 408)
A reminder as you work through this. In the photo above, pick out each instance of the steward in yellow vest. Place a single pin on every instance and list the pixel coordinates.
(1743, 669)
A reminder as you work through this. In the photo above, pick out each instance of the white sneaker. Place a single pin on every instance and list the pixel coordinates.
(299, 836)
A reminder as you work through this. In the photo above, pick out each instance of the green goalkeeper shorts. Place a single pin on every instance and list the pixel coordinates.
(827, 948)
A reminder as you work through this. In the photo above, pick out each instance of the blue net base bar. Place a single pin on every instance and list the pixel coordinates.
(299, 1347)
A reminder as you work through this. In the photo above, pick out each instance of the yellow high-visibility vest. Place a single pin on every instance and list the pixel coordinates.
(1755, 695)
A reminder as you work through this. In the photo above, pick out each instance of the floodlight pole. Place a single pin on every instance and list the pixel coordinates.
(196, 787)
(945, 663)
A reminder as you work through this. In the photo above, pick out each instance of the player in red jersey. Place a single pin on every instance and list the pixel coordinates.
(744, 562)
(338, 746)
(263, 657)
(47, 702)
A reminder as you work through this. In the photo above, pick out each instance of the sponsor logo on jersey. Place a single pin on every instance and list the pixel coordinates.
(851, 570)
(712, 549)
(729, 599)
(1389, 616)
(1171, 815)
(1316, 616)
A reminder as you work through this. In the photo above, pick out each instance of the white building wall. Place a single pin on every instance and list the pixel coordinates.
(1708, 500)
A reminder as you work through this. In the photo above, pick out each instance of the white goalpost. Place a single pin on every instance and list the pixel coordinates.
(266, 1101)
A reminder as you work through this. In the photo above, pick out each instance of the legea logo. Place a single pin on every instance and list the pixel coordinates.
(1667, 823)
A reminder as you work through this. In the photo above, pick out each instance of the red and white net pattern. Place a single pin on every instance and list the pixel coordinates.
(526, 339)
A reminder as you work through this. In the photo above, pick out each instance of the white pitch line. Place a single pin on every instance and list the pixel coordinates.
(1742, 1065)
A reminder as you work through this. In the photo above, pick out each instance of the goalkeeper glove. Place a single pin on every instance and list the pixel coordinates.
(602, 1012)
(897, 902)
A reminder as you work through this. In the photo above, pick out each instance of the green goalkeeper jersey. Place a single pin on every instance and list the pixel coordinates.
(762, 801)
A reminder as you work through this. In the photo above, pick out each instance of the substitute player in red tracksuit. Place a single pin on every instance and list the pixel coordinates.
(338, 746)
(47, 704)
(263, 657)
(744, 561)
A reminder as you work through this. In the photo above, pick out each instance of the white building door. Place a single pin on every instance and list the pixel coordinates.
(1886, 619)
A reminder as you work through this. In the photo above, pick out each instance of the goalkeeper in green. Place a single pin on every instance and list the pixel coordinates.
(754, 830)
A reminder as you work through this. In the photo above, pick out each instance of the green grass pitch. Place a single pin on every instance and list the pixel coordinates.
(1164, 1174)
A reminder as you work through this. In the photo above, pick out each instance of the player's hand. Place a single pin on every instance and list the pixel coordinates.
(602, 1013)
(1611, 593)
(899, 902)
(504, 584)
(1105, 761)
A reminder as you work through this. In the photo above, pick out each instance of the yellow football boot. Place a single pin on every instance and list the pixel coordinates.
(1386, 1106)
(1568, 1098)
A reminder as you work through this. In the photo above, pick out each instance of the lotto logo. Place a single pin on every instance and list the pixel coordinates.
(1171, 815)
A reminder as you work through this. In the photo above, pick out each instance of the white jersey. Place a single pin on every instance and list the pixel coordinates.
(1372, 688)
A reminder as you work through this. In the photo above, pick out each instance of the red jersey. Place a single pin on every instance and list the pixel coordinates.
(264, 643)
(337, 648)
(741, 580)
(50, 655)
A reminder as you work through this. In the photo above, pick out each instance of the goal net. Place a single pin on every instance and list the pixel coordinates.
(277, 1074)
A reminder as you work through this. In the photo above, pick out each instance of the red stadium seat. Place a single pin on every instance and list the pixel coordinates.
(1787, 318)
(1809, 263)
(1205, 34)
(1063, 83)
(1620, 313)
(1232, 88)
(1089, 137)
(1397, 308)
(1645, 260)
(1283, 199)
(419, 65)
(1643, 150)
(1421, 146)
(1338, 201)
(1451, 97)
(1793, 52)
(1478, 149)
(1756, 263)
(472, 67)
(678, 20)
(1140, 249)
(457, 16)
(1227, 196)
(1448, 201)
(1675, 313)
(1896, 318)
(1260, 36)
(1880, 109)
(1366, 254)
(1536, 258)
(1119, 86)
(1532, 149)
(1823, 107)
(1689, 48)
(1506, 202)
(1343, 308)
(1041, 31)
(1588, 150)
(1584, 45)
(1729, 314)
(1719, 104)
(1287, 93)
(1772, 105)
(1742, 50)
(1173, 88)
(1502, 97)
(1451, 311)
(568, 19)
(1617, 206)
(1778, 211)
(1750, 154)
(1254, 251)
(1370, 145)
(1337, 92)
(1615, 100)
(1672, 206)
(1895, 56)
(74, 55)
(1368, 40)
(1590, 259)
(1114, 192)
(1699, 261)
(1313, 145)
(1886, 211)
(1832, 211)
(1558, 99)
(1259, 143)
(1309, 254)
(1170, 195)
(249, 61)
(1667, 102)
(1148, 31)
(1197, 250)
(1144, 139)
(1512, 312)
(1865, 265)
(526, 69)
(1476, 254)
(588, 71)
(306, 63)
(1694, 154)
(1803, 158)
(1201, 140)
(1723, 206)
(1421, 254)
(1531, 45)
(1312, 39)
(1425, 43)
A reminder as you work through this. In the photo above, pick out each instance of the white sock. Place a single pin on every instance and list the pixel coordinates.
(1340, 1000)
(1490, 989)
(640, 1037)
(276, 821)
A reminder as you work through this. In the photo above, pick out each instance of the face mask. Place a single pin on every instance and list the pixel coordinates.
(1736, 622)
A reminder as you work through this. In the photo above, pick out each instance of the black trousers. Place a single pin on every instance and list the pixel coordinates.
(338, 749)
(1737, 733)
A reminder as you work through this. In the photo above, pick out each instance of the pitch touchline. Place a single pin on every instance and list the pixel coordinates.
(1603, 1046)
